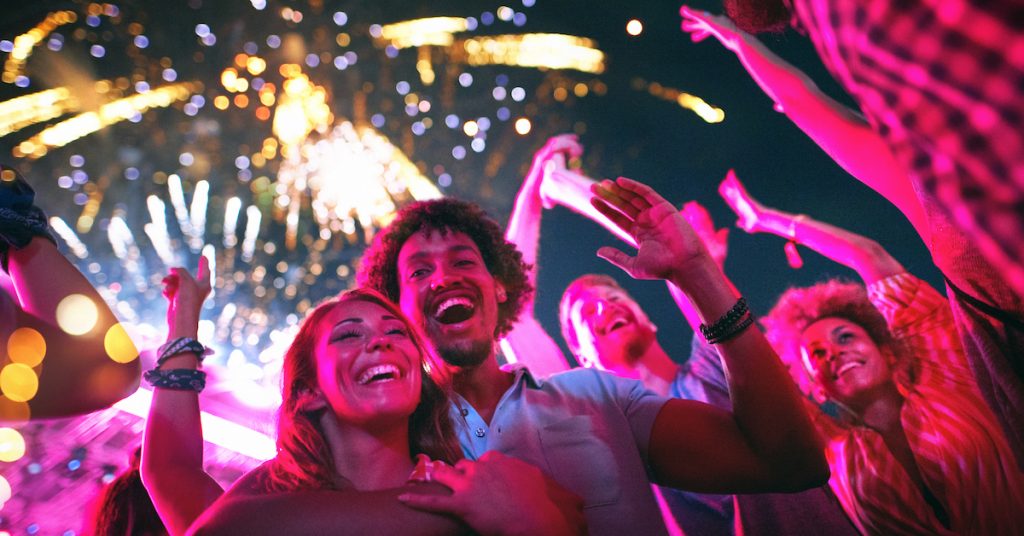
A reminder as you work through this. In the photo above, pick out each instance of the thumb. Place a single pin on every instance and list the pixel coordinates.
(623, 261)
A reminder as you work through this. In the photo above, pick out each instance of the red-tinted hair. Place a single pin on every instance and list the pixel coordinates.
(303, 457)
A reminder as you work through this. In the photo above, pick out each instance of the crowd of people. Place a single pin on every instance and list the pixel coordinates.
(880, 407)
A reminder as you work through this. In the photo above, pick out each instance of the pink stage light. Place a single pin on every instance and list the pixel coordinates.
(216, 430)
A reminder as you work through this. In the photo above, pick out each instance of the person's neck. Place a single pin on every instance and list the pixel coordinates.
(371, 459)
(882, 411)
(656, 369)
(482, 386)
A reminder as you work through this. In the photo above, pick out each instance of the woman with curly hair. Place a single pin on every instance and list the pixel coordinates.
(914, 449)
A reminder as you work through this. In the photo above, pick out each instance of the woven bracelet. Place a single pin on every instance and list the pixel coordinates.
(181, 345)
(727, 322)
(177, 379)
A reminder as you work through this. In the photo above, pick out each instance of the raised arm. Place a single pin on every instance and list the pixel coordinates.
(172, 452)
(76, 373)
(523, 228)
(860, 253)
(528, 342)
(841, 132)
(767, 442)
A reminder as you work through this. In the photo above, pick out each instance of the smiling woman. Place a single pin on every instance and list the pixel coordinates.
(914, 448)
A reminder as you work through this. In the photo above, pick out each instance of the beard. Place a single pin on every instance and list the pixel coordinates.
(758, 16)
(465, 353)
(638, 344)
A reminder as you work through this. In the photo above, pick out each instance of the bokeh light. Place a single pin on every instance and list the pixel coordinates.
(119, 345)
(634, 27)
(19, 382)
(26, 346)
(5, 490)
(77, 314)
(523, 126)
(12, 445)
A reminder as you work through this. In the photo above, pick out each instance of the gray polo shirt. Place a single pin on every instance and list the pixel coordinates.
(586, 429)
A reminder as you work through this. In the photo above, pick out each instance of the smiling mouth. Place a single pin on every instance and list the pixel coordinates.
(379, 373)
(847, 367)
(454, 310)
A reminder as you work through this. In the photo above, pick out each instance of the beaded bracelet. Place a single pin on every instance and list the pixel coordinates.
(729, 325)
(177, 379)
(181, 345)
(736, 330)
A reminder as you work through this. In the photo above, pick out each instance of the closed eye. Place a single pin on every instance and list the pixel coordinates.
(345, 335)
(416, 274)
(398, 331)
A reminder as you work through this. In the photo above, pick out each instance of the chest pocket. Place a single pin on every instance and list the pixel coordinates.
(579, 457)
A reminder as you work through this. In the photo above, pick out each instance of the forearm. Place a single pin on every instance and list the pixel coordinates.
(766, 406)
(523, 228)
(572, 190)
(323, 512)
(172, 454)
(78, 374)
(863, 255)
(842, 133)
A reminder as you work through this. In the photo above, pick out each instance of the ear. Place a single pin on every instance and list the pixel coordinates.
(311, 400)
(499, 290)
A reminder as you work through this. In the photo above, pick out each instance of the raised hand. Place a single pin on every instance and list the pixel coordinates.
(185, 295)
(715, 240)
(552, 154)
(667, 247)
(500, 495)
(749, 211)
(701, 24)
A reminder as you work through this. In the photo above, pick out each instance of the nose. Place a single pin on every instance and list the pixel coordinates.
(440, 279)
(378, 343)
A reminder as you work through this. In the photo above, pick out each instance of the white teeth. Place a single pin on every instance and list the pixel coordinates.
(391, 372)
(452, 302)
(846, 367)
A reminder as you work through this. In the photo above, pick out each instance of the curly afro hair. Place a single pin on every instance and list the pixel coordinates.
(759, 16)
(798, 308)
(379, 268)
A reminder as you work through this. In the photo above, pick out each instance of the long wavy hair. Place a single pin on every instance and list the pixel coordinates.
(303, 457)
(123, 507)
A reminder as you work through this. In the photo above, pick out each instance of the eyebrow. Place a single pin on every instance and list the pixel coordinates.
(454, 249)
(359, 320)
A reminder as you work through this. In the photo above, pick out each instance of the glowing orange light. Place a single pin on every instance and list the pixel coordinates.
(11, 411)
(634, 27)
(523, 126)
(12, 445)
(580, 90)
(228, 78)
(241, 101)
(77, 314)
(221, 102)
(19, 382)
(119, 345)
(262, 113)
(26, 346)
